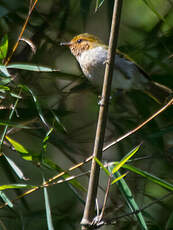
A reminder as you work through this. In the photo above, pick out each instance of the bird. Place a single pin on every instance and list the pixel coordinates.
(91, 54)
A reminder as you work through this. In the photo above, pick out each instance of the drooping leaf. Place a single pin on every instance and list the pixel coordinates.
(15, 168)
(48, 209)
(26, 88)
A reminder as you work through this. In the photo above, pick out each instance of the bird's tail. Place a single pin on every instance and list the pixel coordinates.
(160, 93)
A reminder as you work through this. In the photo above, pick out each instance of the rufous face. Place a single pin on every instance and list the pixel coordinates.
(82, 43)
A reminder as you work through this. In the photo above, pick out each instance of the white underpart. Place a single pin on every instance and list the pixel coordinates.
(125, 76)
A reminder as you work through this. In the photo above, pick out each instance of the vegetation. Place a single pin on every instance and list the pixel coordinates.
(48, 117)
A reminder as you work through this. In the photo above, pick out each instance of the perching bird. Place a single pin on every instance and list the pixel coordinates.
(91, 53)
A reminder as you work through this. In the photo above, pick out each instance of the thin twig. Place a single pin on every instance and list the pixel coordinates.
(114, 220)
(22, 31)
(105, 198)
(139, 126)
(89, 210)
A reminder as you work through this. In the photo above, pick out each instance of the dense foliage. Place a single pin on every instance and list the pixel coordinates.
(48, 115)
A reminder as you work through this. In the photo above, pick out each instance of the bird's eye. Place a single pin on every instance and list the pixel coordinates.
(79, 40)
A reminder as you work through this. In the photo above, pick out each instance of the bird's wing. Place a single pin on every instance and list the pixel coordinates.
(128, 66)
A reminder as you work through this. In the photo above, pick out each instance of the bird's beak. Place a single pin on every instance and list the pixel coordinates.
(65, 44)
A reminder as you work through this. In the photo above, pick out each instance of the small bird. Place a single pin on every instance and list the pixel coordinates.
(91, 53)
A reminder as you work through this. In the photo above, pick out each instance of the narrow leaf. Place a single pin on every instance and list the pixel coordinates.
(4, 70)
(26, 88)
(6, 199)
(3, 47)
(102, 166)
(128, 196)
(45, 140)
(16, 186)
(26, 154)
(31, 67)
(126, 158)
(149, 176)
(15, 168)
(119, 178)
(48, 210)
(98, 4)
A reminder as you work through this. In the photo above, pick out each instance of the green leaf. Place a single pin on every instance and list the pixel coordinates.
(26, 88)
(119, 178)
(13, 124)
(16, 186)
(98, 4)
(48, 209)
(6, 199)
(25, 153)
(125, 159)
(3, 47)
(102, 166)
(44, 143)
(149, 176)
(5, 72)
(30, 67)
(15, 168)
(128, 196)
(60, 124)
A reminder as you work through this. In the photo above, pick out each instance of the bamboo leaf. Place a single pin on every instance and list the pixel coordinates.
(16, 186)
(125, 159)
(48, 209)
(30, 67)
(128, 196)
(3, 47)
(98, 4)
(102, 166)
(119, 178)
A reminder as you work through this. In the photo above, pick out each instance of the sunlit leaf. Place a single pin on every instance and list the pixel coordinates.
(149, 176)
(3, 47)
(102, 166)
(15, 186)
(126, 158)
(25, 153)
(119, 178)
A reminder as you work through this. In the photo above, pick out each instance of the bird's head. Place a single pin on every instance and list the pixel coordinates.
(83, 42)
